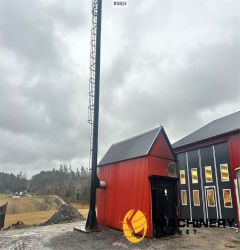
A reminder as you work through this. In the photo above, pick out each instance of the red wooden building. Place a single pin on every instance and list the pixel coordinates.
(139, 173)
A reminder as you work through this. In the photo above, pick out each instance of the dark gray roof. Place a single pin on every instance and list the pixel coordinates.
(224, 125)
(133, 147)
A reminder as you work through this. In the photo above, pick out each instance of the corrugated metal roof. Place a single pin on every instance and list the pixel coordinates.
(133, 147)
(224, 125)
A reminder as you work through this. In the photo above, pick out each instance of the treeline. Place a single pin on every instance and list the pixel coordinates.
(65, 182)
(10, 183)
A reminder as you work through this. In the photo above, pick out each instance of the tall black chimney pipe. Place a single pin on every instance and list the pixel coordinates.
(92, 223)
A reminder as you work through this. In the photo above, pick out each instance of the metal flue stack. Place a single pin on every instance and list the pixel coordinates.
(93, 109)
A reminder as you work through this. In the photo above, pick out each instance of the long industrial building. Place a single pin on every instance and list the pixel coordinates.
(209, 171)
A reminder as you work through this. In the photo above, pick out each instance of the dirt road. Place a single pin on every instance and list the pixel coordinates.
(60, 199)
(62, 237)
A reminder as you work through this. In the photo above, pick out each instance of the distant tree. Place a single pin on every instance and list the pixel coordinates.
(10, 183)
(64, 182)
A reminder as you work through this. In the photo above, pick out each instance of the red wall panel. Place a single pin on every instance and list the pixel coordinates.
(127, 188)
(161, 148)
(158, 166)
(234, 154)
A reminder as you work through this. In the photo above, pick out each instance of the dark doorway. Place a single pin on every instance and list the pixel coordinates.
(164, 205)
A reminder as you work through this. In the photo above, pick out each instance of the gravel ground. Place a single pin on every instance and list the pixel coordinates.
(62, 236)
(65, 213)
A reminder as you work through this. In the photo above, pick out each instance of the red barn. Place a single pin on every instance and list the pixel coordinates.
(140, 173)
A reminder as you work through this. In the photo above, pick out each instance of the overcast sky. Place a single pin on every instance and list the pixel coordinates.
(169, 62)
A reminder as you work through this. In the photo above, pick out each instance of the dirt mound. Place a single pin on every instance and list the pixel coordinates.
(66, 213)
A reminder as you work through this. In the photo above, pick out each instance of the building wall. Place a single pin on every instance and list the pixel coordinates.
(161, 148)
(197, 159)
(192, 158)
(234, 149)
(185, 210)
(127, 188)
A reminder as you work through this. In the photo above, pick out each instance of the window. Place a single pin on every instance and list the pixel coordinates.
(196, 199)
(224, 172)
(194, 175)
(208, 174)
(227, 197)
(182, 177)
(184, 197)
(211, 197)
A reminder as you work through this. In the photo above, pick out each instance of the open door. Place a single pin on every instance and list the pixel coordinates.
(164, 205)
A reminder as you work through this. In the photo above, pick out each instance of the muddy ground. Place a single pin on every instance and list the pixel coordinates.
(62, 236)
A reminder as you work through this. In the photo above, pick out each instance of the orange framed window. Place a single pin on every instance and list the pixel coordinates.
(227, 198)
(196, 198)
(208, 174)
(182, 177)
(184, 197)
(194, 175)
(224, 172)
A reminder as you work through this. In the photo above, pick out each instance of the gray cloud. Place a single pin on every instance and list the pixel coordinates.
(163, 62)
